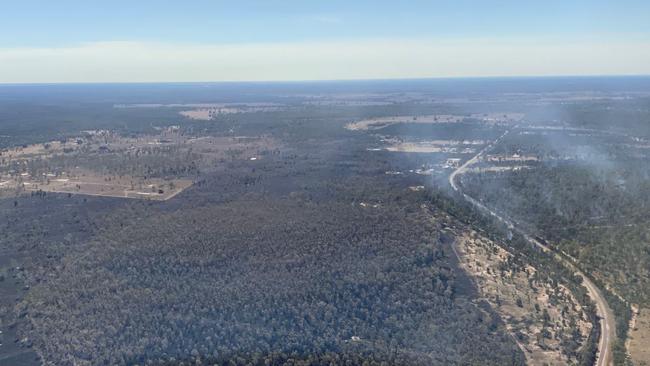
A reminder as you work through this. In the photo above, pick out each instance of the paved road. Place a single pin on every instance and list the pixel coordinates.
(607, 323)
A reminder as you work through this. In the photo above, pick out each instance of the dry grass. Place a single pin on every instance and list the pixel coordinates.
(58, 167)
(639, 339)
(377, 123)
(96, 185)
(433, 146)
(488, 118)
(521, 299)
(206, 114)
(93, 184)
(510, 158)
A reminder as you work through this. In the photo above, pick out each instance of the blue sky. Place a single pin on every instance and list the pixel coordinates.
(68, 25)
(64, 22)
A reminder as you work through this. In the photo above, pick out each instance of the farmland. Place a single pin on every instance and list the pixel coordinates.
(101, 163)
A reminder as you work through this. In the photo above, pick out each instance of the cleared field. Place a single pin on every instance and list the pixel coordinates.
(102, 163)
(197, 105)
(381, 122)
(36, 150)
(429, 147)
(509, 158)
(93, 184)
(207, 111)
(154, 189)
(206, 114)
(377, 123)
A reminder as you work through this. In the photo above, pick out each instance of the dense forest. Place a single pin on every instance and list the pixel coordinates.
(587, 196)
(257, 276)
(311, 255)
(324, 249)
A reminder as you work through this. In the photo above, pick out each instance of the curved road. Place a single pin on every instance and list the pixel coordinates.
(607, 321)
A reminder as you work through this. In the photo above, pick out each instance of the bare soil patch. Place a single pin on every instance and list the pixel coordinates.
(639, 338)
(539, 316)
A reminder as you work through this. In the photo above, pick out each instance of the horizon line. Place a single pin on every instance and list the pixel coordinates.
(432, 78)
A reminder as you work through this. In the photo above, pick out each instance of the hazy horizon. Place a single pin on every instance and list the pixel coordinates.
(333, 81)
(206, 41)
